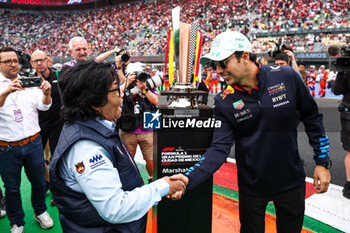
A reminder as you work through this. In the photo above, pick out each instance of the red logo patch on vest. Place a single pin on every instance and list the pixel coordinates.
(80, 167)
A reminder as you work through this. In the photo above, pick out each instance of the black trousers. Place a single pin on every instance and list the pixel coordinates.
(289, 205)
(52, 135)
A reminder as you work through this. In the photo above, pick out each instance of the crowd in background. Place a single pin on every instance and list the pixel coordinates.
(142, 27)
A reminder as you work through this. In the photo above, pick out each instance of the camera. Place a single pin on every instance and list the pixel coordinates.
(24, 60)
(151, 83)
(343, 108)
(154, 82)
(279, 48)
(125, 57)
(31, 82)
(342, 63)
(142, 76)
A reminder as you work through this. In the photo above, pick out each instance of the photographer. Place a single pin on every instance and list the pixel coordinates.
(139, 97)
(286, 58)
(342, 86)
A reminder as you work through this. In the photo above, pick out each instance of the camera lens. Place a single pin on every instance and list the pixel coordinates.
(142, 76)
(125, 57)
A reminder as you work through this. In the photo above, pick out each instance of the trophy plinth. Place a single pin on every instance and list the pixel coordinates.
(180, 101)
(183, 95)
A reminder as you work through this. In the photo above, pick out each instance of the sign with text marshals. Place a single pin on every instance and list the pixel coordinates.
(151, 120)
(179, 144)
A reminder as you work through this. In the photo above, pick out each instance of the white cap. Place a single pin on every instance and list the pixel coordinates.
(225, 44)
(322, 66)
(312, 67)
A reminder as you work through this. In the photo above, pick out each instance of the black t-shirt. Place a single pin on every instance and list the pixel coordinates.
(51, 118)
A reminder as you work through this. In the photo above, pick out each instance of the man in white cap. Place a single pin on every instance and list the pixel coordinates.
(258, 113)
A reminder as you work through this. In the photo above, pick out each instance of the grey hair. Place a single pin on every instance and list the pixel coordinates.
(74, 40)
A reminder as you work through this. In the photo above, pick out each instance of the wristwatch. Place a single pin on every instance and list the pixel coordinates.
(119, 68)
(145, 90)
(327, 165)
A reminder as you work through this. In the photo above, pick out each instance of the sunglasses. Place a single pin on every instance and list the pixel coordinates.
(222, 63)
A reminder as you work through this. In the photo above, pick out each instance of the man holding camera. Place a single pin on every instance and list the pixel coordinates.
(20, 141)
(139, 98)
(122, 59)
(286, 58)
(342, 86)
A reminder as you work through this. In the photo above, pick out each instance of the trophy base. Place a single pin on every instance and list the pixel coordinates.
(181, 101)
(183, 95)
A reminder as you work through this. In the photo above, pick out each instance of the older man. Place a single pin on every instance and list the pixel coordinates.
(20, 141)
(78, 49)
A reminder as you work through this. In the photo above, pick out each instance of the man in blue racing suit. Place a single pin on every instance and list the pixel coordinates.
(258, 113)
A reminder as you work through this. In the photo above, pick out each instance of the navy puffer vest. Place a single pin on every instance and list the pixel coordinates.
(76, 212)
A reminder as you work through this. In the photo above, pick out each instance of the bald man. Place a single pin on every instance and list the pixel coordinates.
(49, 121)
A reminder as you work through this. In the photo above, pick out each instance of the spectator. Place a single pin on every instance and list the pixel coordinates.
(141, 27)
(21, 139)
(50, 121)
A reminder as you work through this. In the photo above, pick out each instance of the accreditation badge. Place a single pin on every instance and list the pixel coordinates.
(18, 115)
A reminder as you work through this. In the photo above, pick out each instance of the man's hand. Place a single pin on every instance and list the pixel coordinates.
(176, 187)
(15, 85)
(46, 89)
(130, 78)
(322, 178)
(184, 180)
(141, 85)
(289, 54)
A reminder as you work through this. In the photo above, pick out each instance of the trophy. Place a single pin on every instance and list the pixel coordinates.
(184, 134)
(182, 63)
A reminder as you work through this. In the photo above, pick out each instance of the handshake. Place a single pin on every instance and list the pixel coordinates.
(177, 186)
